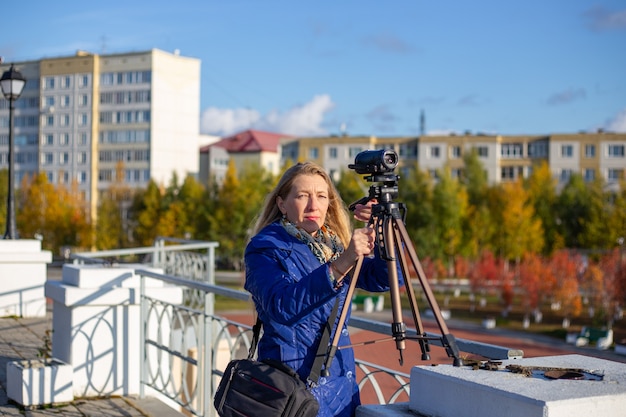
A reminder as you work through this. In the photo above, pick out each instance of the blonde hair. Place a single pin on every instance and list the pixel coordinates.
(337, 216)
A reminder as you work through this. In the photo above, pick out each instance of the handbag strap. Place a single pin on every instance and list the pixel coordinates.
(322, 348)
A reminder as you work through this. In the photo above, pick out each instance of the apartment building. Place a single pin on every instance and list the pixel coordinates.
(505, 158)
(92, 120)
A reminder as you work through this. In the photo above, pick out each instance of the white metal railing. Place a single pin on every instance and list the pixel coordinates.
(187, 346)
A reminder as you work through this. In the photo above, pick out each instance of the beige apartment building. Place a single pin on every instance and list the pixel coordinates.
(505, 158)
(92, 120)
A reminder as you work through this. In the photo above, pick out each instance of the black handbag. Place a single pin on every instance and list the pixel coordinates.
(267, 388)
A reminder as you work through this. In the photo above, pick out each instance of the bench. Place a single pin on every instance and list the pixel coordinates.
(370, 303)
(602, 338)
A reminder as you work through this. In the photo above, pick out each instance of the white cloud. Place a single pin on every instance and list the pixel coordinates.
(301, 120)
(617, 123)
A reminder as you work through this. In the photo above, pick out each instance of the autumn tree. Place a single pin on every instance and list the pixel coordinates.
(54, 213)
(520, 230)
(564, 267)
(542, 195)
(112, 228)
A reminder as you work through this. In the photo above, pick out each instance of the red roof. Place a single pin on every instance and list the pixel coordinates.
(249, 141)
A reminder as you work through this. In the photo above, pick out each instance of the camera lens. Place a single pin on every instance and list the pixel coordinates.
(390, 159)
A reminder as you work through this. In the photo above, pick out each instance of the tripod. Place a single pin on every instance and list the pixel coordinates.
(394, 245)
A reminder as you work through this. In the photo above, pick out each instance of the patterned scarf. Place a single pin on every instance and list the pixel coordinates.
(325, 245)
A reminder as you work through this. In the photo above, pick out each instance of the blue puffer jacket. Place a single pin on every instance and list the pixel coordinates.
(294, 297)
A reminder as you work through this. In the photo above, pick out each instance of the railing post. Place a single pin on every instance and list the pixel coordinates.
(205, 356)
(143, 307)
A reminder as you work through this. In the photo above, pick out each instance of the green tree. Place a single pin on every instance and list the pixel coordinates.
(145, 213)
(449, 208)
(572, 210)
(228, 222)
(474, 178)
(416, 192)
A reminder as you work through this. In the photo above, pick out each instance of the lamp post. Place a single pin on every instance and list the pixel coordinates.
(12, 83)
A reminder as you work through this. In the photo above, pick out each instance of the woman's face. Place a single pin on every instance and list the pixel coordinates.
(307, 202)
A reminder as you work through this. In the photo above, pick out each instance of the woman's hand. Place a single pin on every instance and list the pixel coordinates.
(363, 212)
(362, 244)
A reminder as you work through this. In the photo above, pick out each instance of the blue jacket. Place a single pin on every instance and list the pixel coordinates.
(294, 297)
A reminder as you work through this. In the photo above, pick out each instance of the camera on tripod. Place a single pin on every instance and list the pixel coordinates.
(375, 162)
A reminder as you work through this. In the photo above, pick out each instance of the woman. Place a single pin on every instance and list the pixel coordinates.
(297, 263)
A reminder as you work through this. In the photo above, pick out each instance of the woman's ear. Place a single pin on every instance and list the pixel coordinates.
(281, 204)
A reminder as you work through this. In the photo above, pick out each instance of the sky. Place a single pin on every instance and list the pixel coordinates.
(363, 67)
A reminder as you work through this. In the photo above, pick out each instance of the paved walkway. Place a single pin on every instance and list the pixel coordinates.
(21, 338)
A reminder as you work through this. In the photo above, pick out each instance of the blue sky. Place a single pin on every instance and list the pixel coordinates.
(363, 67)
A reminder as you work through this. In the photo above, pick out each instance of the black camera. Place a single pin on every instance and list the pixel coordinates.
(375, 162)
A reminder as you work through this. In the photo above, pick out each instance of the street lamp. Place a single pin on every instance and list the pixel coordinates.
(12, 83)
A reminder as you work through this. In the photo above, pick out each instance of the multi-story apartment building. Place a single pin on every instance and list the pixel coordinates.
(92, 120)
(505, 158)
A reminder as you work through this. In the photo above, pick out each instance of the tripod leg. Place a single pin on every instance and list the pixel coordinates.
(448, 341)
(424, 346)
(398, 328)
(332, 349)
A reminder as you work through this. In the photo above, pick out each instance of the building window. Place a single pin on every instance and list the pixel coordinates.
(66, 82)
(434, 151)
(81, 158)
(590, 151)
(83, 100)
(567, 151)
(64, 158)
(64, 139)
(507, 173)
(354, 151)
(81, 178)
(313, 153)
(49, 101)
(48, 83)
(83, 81)
(590, 174)
(82, 119)
(616, 151)
(615, 174)
(48, 120)
(47, 158)
(566, 174)
(538, 149)
(512, 150)
(456, 152)
(105, 175)
(47, 139)
(482, 151)
(332, 153)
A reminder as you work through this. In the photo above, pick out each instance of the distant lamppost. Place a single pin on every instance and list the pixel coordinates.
(12, 83)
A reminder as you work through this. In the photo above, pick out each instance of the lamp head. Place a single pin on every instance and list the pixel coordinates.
(12, 83)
